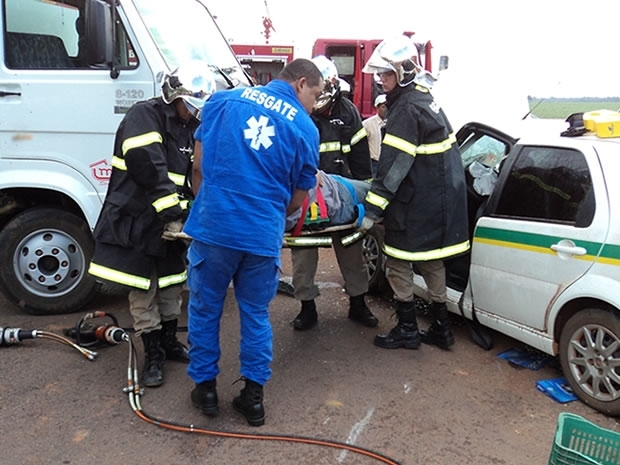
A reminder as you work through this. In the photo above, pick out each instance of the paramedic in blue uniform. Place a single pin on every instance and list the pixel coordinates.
(343, 151)
(147, 195)
(419, 191)
(256, 157)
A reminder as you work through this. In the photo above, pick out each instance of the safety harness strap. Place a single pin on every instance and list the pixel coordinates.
(310, 214)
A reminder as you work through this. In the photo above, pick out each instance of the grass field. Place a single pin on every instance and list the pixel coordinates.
(561, 108)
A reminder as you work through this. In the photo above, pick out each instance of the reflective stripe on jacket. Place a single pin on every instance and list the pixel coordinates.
(419, 189)
(344, 144)
(148, 188)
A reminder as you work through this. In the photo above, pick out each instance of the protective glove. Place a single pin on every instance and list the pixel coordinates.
(172, 230)
(366, 225)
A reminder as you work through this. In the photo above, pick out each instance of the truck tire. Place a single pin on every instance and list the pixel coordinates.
(44, 261)
(375, 260)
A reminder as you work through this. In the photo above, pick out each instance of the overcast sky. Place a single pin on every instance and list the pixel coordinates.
(543, 47)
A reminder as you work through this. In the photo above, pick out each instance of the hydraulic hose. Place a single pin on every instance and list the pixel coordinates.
(134, 393)
(113, 334)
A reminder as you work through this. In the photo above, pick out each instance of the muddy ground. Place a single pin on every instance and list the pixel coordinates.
(463, 406)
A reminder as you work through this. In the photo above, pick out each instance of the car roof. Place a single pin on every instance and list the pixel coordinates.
(548, 132)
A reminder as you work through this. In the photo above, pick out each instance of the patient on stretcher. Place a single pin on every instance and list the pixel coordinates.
(335, 201)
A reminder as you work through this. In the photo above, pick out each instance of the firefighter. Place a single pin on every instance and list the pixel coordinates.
(147, 198)
(419, 191)
(343, 151)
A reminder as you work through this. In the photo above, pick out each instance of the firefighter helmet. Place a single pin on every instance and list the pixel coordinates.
(331, 82)
(192, 83)
(398, 54)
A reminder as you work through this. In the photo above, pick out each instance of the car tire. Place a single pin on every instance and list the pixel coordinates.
(44, 261)
(372, 248)
(590, 358)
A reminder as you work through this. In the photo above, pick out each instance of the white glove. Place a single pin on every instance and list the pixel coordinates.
(367, 224)
(172, 231)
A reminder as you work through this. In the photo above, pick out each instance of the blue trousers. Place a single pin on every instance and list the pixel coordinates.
(255, 280)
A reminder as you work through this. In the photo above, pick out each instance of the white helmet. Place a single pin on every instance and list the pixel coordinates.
(331, 82)
(398, 54)
(192, 82)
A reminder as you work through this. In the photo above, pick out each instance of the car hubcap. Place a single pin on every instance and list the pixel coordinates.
(594, 358)
(371, 252)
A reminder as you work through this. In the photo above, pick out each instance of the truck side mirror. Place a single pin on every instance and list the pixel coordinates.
(99, 33)
(443, 62)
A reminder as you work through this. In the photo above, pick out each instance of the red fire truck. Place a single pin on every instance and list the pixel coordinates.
(263, 62)
(350, 55)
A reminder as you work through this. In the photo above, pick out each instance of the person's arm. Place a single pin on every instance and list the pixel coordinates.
(296, 201)
(197, 167)
(359, 156)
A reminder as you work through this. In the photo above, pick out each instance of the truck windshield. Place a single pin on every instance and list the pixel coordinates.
(185, 31)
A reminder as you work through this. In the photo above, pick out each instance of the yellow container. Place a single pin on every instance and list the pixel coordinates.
(605, 123)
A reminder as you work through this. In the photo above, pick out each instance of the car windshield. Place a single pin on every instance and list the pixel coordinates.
(184, 31)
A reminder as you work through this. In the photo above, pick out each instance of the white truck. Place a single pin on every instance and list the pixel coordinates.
(69, 71)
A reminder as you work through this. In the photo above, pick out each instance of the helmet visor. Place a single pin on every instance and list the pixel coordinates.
(194, 110)
(326, 97)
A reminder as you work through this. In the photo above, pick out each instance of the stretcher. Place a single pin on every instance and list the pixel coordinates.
(332, 207)
(320, 238)
(323, 237)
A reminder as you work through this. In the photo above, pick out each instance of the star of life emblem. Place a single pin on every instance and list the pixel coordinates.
(259, 132)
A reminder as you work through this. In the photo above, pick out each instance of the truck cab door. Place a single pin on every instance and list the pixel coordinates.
(58, 109)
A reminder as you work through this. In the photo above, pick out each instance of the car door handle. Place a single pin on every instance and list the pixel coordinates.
(569, 250)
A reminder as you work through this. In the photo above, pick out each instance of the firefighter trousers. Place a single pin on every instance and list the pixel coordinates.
(399, 274)
(150, 308)
(350, 260)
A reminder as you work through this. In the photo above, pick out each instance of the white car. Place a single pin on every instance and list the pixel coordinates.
(544, 266)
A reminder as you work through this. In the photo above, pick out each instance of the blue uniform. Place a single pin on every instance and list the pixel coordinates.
(259, 145)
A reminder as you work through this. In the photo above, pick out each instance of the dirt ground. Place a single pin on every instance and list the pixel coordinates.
(429, 406)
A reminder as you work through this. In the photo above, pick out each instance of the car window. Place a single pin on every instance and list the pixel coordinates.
(483, 149)
(548, 184)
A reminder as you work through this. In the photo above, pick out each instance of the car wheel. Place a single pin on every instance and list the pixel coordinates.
(372, 249)
(590, 358)
(44, 260)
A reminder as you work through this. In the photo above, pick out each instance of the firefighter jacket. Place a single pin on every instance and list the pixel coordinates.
(148, 188)
(419, 189)
(343, 142)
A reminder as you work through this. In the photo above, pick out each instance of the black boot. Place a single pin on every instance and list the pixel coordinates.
(250, 403)
(174, 349)
(154, 355)
(405, 333)
(308, 317)
(204, 397)
(438, 333)
(358, 311)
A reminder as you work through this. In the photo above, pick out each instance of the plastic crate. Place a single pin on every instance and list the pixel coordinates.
(578, 441)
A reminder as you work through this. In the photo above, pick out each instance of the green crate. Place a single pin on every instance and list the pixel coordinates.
(580, 442)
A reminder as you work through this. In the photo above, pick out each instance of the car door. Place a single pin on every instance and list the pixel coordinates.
(540, 231)
(482, 149)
